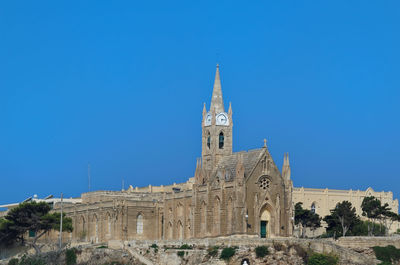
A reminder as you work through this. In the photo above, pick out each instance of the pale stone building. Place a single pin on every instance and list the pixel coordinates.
(231, 193)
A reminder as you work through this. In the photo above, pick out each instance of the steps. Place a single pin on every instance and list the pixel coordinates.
(138, 256)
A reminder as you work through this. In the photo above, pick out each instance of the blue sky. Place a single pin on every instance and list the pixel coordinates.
(121, 85)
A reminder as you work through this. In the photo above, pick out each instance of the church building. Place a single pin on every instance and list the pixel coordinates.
(231, 193)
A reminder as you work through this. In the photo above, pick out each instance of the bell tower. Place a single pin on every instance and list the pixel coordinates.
(216, 128)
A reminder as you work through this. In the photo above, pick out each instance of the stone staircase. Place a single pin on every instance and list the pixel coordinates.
(138, 256)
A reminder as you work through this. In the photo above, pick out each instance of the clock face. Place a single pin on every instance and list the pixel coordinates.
(207, 121)
(222, 119)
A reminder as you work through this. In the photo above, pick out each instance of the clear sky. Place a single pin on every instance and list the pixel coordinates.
(121, 84)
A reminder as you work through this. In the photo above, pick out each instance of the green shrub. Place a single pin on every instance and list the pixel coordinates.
(155, 247)
(70, 256)
(387, 254)
(102, 246)
(361, 229)
(181, 253)
(212, 251)
(13, 261)
(227, 253)
(186, 246)
(261, 251)
(322, 259)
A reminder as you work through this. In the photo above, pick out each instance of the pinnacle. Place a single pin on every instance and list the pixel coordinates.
(216, 99)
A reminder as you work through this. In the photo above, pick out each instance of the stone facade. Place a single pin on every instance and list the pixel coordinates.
(231, 193)
(321, 201)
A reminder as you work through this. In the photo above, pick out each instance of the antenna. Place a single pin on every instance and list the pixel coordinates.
(88, 176)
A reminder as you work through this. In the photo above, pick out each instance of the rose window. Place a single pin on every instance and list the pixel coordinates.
(264, 183)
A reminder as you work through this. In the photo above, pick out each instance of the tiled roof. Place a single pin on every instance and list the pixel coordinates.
(250, 159)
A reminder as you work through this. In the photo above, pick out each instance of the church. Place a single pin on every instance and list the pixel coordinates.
(231, 193)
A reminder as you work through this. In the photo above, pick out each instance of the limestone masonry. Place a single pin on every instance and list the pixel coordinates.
(231, 193)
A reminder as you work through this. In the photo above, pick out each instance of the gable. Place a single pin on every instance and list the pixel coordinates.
(229, 163)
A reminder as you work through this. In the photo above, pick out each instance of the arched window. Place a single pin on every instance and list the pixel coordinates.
(313, 208)
(203, 216)
(208, 140)
(139, 224)
(221, 140)
(109, 223)
(217, 215)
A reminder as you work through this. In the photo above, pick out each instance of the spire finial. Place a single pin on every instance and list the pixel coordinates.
(216, 99)
(265, 143)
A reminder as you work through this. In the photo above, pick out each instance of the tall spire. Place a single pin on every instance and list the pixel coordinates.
(216, 101)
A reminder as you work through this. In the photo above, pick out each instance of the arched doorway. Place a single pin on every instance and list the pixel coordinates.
(265, 223)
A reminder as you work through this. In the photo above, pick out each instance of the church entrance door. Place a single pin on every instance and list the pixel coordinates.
(265, 222)
(263, 229)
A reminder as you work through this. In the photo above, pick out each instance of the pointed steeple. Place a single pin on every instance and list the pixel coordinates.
(216, 100)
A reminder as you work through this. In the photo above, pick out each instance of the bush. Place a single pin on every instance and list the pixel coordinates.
(70, 256)
(387, 254)
(261, 251)
(155, 247)
(227, 253)
(213, 251)
(181, 253)
(322, 259)
(102, 247)
(186, 246)
(361, 229)
(13, 261)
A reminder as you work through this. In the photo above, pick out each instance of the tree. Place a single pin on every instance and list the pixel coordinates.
(306, 218)
(389, 218)
(34, 217)
(342, 218)
(374, 211)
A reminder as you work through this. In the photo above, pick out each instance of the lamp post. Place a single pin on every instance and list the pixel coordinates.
(247, 221)
(61, 220)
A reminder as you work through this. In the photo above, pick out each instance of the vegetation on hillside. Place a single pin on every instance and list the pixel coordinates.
(343, 219)
(31, 217)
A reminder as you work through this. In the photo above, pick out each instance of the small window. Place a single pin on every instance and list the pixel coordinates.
(313, 208)
(221, 140)
(208, 140)
(139, 224)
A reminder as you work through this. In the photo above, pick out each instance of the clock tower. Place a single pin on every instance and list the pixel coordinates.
(216, 128)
